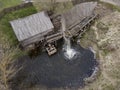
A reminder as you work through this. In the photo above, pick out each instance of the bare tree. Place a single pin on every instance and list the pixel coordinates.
(8, 69)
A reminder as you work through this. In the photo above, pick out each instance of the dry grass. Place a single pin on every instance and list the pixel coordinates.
(9, 50)
(8, 69)
(8, 3)
(53, 5)
(107, 40)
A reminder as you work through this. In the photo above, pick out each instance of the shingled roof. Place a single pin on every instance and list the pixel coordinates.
(32, 25)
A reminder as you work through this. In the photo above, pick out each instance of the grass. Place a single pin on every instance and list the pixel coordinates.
(88, 38)
(105, 52)
(5, 26)
(109, 87)
(59, 7)
(63, 7)
(111, 6)
(9, 43)
(8, 3)
(8, 68)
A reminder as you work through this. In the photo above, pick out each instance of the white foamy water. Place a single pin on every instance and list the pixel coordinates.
(69, 52)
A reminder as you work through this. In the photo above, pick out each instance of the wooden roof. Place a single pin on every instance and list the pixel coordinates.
(79, 12)
(32, 25)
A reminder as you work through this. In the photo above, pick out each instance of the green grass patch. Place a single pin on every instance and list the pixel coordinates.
(5, 26)
(109, 87)
(8, 3)
(105, 52)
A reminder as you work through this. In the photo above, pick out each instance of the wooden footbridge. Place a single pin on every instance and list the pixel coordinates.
(39, 27)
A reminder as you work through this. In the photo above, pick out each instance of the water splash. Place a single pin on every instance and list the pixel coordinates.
(69, 52)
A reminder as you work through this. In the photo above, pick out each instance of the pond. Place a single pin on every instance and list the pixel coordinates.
(57, 71)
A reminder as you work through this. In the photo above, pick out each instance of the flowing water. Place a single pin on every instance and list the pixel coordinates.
(68, 51)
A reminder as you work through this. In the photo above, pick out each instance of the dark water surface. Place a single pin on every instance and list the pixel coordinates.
(57, 71)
